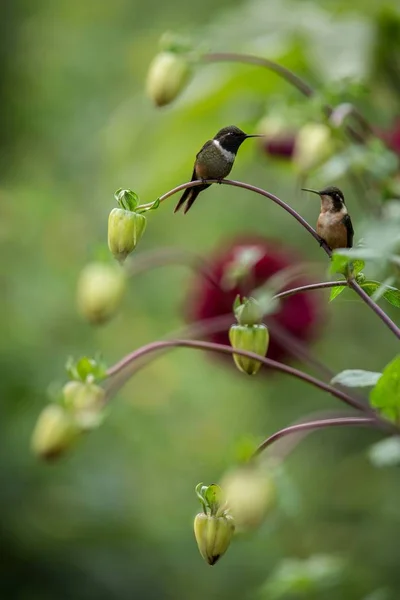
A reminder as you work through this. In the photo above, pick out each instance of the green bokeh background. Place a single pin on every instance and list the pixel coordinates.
(114, 518)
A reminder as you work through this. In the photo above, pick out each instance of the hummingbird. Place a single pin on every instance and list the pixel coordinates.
(214, 161)
(334, 225)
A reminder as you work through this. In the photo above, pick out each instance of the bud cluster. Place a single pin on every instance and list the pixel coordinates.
(214, 527)
(80, 408)
(249, 334)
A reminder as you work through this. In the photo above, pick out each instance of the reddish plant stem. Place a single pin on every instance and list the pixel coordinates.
(312, 286)
(292, 79)
(252, 188)
(223, 349)
(286, 74)
(309, 426)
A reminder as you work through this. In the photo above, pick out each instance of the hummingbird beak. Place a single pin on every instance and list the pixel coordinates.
(255, 135)
(312, 191)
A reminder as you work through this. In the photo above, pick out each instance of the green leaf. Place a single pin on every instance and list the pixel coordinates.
(341, 263)
(370, 287)
(336, 291)
(385, 453)
(152, 206)
(392, 295)
(386, 394)
(356, 378)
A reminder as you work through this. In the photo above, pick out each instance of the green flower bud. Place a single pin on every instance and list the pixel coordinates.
(85, 401)
(250, 494)
(54, 432)
(213, 535)
(125, 228)
(314, 145)
(254, 338)
(167, 76)
(100, 291)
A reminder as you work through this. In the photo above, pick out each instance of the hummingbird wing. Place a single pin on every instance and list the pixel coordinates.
(350, 231)
(190, 194)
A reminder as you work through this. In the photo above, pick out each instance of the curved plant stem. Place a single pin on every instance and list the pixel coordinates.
(252, 188)
(293, 80)
(318, 424)
(223, 349)
(375, 307)
(311, 286)
(286, 74)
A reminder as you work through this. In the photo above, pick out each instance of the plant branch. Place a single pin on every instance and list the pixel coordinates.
(375, 307)
(223, 349)
(252, 188)
(311, 286)
(314, 425)
(283, 72)
(292, 79)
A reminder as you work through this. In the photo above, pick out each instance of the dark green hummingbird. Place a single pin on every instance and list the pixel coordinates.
(214, 161)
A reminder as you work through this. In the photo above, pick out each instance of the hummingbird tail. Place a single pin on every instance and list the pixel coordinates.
(189, 196)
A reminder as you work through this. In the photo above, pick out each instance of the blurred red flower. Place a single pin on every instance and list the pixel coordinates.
(243, 265)
(391, 136)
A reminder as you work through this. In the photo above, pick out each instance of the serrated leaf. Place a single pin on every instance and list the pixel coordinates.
(336, 291)
(385, 396)
(356, 378)
(385, 453)
(393, 297)
(370, 287)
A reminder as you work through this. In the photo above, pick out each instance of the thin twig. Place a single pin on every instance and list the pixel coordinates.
(223, 349)
(318, 424)
(292, 79)
(252, 188)
(312, 286)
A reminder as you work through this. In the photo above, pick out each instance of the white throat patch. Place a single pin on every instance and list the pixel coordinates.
(230, 156)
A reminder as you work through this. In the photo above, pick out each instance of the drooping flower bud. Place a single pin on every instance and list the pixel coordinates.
(249, 334)
(85, 401)
(167, 76)
(125, 225)
(54, 432)
(314, 145)
(250, 494)
(99, 292)
(213, 535)
(213, 528)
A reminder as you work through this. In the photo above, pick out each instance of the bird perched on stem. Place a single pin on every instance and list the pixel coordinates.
(334, 225)
(214, 161)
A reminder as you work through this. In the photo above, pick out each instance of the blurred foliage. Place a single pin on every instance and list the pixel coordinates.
(114, 519)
